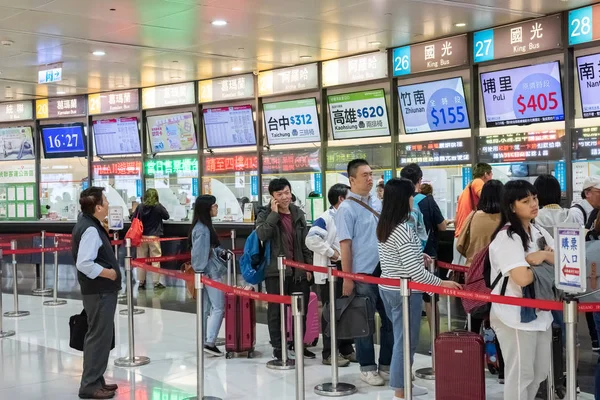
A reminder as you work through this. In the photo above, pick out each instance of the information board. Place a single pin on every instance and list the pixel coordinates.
(527, 146)
(527, 37)
(588, 68)
(61, 107)
(16, 111)
(359, 114)
(523, 95)
(434, 106)
(435, 152)
(106, 103)
(569, 259)
(586, 143)
(62, 141)
(438, 54)
(294, 121)
(174, 132)
(291, 79)
(16, 144)
(17, 201)
(178, 94)
(117, 136)
(229, 88)
(584, 24)
(229, 126)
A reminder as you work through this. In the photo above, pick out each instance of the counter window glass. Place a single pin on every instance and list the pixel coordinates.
(233, 180)
(17, 191)
(122, 181)
(302, 169)
(62, 181)
(176, 181)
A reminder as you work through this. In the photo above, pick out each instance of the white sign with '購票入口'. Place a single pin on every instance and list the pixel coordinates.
(569, 259)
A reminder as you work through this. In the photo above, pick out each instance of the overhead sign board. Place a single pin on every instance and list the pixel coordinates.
(527, 37)
(16, 111)
(365, 67)
(106, 103)
(179, 94)
(222, 89)
(584, 24)
(292, 79)
(61, 107)
(50, 74)
(438, 54)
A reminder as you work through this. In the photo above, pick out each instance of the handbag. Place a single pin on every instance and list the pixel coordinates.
(136, 230)
(355, 317)
(187, 269)
(464, 240)
(78, 328)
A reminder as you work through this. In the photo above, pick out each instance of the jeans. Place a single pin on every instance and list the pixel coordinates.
(393, 306)
(290, 286)
(214, 311)
(365, 348)
(597, 380)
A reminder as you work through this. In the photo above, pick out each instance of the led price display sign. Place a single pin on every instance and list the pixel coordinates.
(182, 167)
(224, 164)
(434, 106)
(120, 168)
(291, 162)
(587, 143)
(523, 95)
(529, 146)
(439, 152)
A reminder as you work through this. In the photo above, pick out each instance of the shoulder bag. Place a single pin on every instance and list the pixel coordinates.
(355, 317)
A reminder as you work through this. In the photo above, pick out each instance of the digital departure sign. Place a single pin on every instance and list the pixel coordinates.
(586, 143)
(435, 152)
(529, 146)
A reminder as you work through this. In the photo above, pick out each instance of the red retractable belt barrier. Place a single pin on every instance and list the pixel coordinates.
(452, 267)
(162, 271)
(179, 257)
(59, 235)
(35, 251)
(271, 298)
(18, 236)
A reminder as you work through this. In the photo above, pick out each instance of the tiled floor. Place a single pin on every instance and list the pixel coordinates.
(37, 363)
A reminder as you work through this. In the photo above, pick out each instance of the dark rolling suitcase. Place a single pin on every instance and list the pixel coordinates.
(459, 366)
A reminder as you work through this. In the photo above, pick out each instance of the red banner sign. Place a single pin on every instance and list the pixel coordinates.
(215, 165)
(118, 168)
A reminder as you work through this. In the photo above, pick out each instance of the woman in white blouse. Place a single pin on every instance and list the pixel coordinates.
(401, 256)
(517, 246)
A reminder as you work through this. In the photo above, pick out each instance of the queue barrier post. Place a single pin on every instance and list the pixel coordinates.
(15, 313)
(3, 333)
(550, 387)
(55, 302)
(298, 314)
(285, 363)
(429, 372)
(405, 293)
(125, 311)
(121, 295)
(42, 290)
(333, 388)
(131, 360)
(199, 287)
(571, 316)
(234, 272)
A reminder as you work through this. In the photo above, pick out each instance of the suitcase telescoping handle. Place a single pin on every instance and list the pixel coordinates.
(231, 275)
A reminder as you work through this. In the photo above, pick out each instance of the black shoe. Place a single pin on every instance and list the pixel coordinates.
(595, 346)
(142, 286)
(309, 354)
(159, 286)
(98, 394)
(111, 387)
(277, 354)
(213, 350)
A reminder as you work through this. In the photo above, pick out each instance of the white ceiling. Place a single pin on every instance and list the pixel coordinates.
(151, 42)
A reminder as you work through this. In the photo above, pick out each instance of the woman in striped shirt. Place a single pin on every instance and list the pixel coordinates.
(401, 256)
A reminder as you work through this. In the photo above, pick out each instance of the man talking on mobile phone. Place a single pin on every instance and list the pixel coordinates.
(99, 276)
(284, 225)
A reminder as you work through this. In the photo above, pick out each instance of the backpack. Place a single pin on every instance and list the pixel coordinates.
(478, 280)
(588, 222)
(136, 230)
(417, 222)
(255, 259)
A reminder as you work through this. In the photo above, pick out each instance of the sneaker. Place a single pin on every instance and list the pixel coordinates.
(595, 345)
(142, 286)
(351, 357)
(159, 286)
(501, 381)
(341, 361)
(384, 374)
(309, 354)
(419, 390)
(213, 350)
(372, 378)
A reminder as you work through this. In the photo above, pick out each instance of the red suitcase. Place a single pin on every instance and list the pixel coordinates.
(313, 322)
(454, 381)
(240, 325)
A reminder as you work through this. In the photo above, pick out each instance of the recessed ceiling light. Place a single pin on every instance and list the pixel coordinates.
(460, 25)
(99, 53)
(375, 43)
(61, 92)
(120, 85)
(113, 9)
(7, 43)
(236, 68)
(305, 57)
(219, 22)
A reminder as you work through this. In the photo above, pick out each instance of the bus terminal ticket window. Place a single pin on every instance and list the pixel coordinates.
(176, 181)
(122, 181)
(62, 181)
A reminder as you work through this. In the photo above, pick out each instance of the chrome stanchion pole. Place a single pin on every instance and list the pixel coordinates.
(199, 286)
(298, 314)
(16, 313)
(121, 295)
(571, 316)
(429, 373)
(449, 305)
(405, 293)
(55, 302)
(234, 272)
(3, 333)
(131, 360)
(333, 388)
(125, 311)
(550, 381)
(41, 290)
(284, 363)
(469, 322)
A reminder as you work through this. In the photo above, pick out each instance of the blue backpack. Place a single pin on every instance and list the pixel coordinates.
(255, 259)
(417, 222)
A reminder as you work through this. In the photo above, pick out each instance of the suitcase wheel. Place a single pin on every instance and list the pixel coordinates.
(251, 354)
(228, 355)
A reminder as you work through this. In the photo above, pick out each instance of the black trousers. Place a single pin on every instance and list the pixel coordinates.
(344, 345)
(100, 309)
(291, 285)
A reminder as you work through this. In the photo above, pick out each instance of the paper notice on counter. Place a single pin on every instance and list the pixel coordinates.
(20, 210)
(29, 193)
(12, 211)
(20, 193)
(30, 210)
(11, 193)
